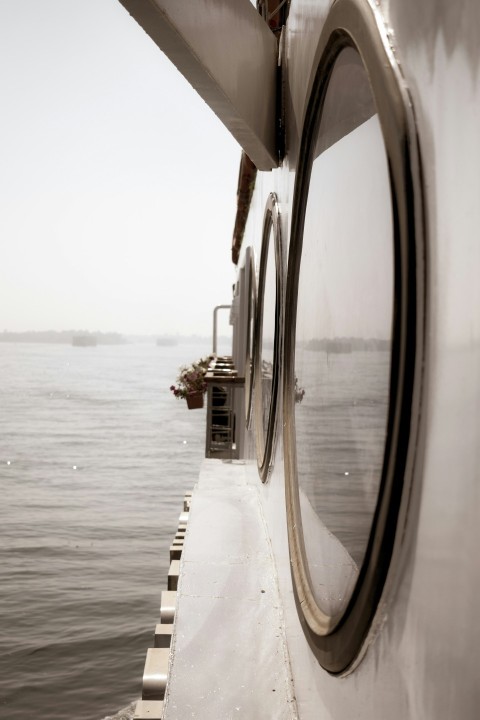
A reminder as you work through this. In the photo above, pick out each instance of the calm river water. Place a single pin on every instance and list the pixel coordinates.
(95, 457)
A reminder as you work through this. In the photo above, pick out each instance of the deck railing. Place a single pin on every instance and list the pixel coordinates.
(224, 392)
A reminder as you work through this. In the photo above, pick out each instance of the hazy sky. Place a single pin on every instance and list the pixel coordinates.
(117, 182)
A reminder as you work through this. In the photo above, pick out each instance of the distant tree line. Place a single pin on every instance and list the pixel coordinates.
(346, 344)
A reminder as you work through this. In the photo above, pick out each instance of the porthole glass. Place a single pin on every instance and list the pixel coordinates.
(343, 334)
(267, 337)
(268, 333)
(353, 334)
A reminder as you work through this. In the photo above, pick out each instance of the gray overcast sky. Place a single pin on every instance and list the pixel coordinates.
(117, 182)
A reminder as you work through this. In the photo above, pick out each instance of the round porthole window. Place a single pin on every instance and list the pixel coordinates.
(251, 289)
(268, 338)
(352, 343)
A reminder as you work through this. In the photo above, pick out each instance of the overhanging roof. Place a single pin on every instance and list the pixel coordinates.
(229, 54)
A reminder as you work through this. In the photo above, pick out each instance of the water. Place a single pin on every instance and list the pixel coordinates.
(341, 425)
(95, 457)
(341, 418)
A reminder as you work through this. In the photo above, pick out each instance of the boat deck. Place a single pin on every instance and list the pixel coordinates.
(229, 657)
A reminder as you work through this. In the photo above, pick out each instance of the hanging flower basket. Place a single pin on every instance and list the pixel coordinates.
(195, 401)
(191, 384)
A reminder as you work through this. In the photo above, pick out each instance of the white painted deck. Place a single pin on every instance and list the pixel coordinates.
(229, 656)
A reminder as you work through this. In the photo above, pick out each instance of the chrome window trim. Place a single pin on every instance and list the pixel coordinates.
(338, 641)
(265, 442)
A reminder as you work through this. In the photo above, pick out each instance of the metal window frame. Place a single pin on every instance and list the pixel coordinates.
(340, 642)
(265, 442)
(251, 286)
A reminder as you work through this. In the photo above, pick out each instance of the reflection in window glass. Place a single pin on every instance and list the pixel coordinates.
(268, 331)
(343, 334)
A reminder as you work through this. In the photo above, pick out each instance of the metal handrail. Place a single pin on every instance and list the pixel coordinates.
(215, 310)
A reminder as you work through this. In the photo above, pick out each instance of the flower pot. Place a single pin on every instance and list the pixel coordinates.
(195, 401)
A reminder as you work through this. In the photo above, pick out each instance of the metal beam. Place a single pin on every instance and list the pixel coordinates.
(229, 54)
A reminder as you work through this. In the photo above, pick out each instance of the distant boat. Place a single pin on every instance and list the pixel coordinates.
(84, 341)
(166, 342)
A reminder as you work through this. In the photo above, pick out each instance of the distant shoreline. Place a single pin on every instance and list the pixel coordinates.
(62, 337)
(66, 337)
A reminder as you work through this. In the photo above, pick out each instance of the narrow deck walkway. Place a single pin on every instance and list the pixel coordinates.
(229, 658)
